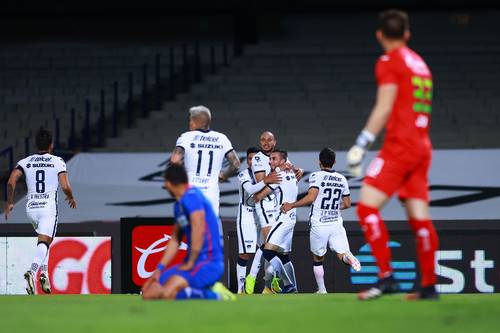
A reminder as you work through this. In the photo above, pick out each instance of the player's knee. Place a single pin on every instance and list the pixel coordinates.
(243, 259)
(269, 254)
(285, 258)
(318, 259)
(44, 239)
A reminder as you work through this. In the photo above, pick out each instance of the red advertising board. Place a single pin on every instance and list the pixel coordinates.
(148, 245)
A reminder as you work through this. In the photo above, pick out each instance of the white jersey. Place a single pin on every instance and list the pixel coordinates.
(332, 188)
(42, 179)
(245, 177)
(204, 155)
(286, 191)
(260, 163)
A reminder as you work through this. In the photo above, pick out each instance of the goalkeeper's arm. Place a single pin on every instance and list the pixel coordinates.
(386, 95)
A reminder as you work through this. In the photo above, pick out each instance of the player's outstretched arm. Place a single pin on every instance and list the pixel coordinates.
(232, 169)
(11, 189)
(386, 95)
(177, 156)
(66, 187)
(197, 219)
(308, 199)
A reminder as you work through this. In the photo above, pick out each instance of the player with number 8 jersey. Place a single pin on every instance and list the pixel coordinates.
(43, 173)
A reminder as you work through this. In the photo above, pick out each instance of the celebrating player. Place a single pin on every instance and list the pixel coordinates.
(43, 173)
(329, 193)
(247, 224)
(403, 106)
(203, 151)
(266, 209)
(197, 276)
(279, 240)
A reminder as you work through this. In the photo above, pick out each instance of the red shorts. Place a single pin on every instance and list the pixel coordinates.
(405, 173)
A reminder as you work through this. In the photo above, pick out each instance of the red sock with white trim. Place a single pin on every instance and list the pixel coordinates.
(427, 243)
(377, 236)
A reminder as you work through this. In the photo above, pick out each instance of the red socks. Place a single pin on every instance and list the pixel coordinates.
(377, 236)
(427, 243)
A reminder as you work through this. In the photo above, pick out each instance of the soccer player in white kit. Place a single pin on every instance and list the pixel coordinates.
(329, 193)
(202, 151)
(266, 209)
(248, 227)
(278, 243)
(43, 173)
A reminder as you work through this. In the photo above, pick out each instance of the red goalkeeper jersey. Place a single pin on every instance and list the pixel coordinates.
(408, 124)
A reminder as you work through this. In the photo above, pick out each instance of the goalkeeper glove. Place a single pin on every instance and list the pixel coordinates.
(357, 152)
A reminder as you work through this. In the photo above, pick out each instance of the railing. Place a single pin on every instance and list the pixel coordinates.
(163, 88)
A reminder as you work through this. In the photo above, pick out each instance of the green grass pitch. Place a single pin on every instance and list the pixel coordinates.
(304, 313)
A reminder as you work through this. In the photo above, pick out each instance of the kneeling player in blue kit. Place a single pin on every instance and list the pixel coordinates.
(197, 277)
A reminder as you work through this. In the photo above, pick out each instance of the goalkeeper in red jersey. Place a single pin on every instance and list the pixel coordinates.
(403, 107)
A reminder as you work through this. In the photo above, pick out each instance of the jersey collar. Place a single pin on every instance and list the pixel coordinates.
(202, 130)
(42, 153)
(327, 170)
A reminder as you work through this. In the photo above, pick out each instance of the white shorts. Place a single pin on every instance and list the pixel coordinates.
(44, 221)
(266, 213)
(247, 230)
(331, 236)
(214, 198)
(281, 235)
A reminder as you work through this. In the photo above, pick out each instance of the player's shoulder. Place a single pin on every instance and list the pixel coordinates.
(259, 156)
(339, 175)
(245, 173)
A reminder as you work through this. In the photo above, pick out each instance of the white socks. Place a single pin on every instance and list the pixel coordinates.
(41, 253)
(241, 272)
(319, 274)
(45, 265)
(290, 272)
(256, 263)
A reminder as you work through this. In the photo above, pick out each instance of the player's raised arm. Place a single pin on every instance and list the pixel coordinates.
(386, 95)
(232, 169)
(11, 188)
(197, 219)
(308, 199)
(66, 187)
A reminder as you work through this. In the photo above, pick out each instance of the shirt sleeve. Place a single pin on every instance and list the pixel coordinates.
(313, 181)
(61, 166)
(181, 142)
(258, 164)
(385, 72)
(191, 203)
(20, 166)
(228, 146)
(251, 189)
(346, 192)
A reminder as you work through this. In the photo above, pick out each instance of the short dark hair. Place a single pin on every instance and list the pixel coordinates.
(43, 139)
(393, 23)
(252, 150)
(176, 174)
(283, 153)
(327, 157)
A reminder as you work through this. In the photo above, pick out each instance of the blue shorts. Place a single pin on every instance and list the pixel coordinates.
(202, 276)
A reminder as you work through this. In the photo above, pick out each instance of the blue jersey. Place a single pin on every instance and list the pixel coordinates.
(194, 200)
